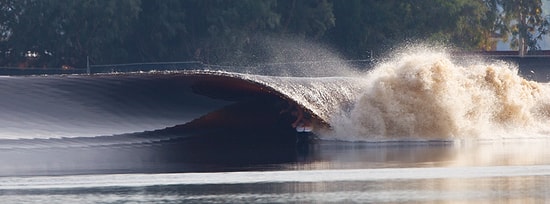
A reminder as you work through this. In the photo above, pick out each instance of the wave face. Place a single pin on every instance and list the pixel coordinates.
(431, 96)
(88, 106)
(176, 102)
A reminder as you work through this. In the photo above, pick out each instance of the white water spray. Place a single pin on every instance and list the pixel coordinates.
(426, 95)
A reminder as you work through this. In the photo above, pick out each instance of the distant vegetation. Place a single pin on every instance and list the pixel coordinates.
(56, 33)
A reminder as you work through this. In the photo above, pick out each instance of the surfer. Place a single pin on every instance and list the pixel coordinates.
(302, 124)
(299, 114)
(301, 121)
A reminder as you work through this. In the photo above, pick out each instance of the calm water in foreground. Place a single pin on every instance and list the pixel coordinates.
(497, 171)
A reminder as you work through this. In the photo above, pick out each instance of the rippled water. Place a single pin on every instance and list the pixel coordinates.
(323, 172)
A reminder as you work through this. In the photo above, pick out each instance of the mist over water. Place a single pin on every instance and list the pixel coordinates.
(422, 94)
(292, 57)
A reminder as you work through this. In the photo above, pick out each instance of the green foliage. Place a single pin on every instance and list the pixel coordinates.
(378, 25)
(228, 29)
(55, 33)
(306, 18)
(522, 21)
(159, 33)
(65, 32)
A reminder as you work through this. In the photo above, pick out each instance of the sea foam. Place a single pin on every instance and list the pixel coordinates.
(424, 94)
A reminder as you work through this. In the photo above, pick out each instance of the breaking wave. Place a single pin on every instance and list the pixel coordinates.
(430, 95)
(418, 95)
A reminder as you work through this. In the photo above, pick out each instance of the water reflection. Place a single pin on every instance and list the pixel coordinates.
(320, 172)
(462, 190)
(188, 156)
(328, 155)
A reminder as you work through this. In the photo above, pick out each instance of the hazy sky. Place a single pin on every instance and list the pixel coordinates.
(545, 43)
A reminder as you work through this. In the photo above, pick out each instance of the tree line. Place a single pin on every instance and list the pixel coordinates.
(68, 33)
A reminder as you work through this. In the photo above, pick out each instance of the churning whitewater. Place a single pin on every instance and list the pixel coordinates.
(430, 95)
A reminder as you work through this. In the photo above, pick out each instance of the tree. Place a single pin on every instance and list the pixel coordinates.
(522, 21)
(66, 32)
(219, 31)
(53, 33)
(467, 24)
(7, 17)
(158, 33)
(7, 20)
(306, 18)
(364, 26)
